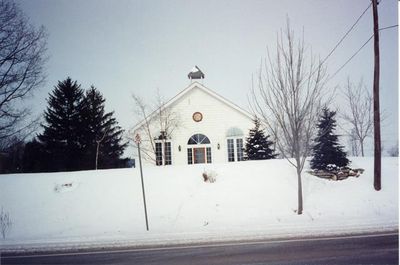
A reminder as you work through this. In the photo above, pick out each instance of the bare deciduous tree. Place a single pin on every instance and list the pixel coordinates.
(289, 92)
(159, 124)
(22, 56)
(142, 110)
(353, 142)
(359, 117)
(98, 142)
(394, 150)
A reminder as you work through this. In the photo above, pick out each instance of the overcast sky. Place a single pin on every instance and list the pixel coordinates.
(124, 47)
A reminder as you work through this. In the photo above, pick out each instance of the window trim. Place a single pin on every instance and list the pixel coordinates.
(208, 155)
(190, 156)
(167, 153)
(241, 151)
(230, 144)
(235, 149)
(201, 141)
(159, 153)
(164, 161)
(198, 139)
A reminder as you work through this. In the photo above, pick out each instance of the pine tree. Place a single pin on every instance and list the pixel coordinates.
(34, 158)
(62, 133)
(327, 150)
(258, 146)
(102, 142)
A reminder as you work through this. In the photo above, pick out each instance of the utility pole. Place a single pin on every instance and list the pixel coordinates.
(377, 122)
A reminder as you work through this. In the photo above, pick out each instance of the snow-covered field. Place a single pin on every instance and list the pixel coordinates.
(252, 199)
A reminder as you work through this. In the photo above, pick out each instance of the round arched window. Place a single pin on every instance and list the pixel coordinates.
(234, 132)
(199, 139)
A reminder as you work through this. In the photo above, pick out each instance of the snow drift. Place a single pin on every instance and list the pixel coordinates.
(248, 199)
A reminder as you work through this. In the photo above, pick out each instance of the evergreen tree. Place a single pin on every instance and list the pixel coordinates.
(62, 133)
(102, 140)
(11, 156)
(34, 158)
(258, 146)
(327, 150)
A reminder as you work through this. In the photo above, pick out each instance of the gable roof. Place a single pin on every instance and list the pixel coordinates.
(186, 91)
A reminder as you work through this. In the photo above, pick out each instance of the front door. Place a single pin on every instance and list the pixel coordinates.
(199, 155)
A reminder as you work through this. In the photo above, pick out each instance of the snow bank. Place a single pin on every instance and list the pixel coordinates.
(249, 199)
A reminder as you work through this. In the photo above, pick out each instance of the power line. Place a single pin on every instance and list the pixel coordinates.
(345, 35)
(365, 43)
(340, 68)
(389, 27)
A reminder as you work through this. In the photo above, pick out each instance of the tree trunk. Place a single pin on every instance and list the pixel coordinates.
(299, 193)
(97, 154)
(362, 147)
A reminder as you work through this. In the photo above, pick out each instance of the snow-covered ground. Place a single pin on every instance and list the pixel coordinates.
(252, 199)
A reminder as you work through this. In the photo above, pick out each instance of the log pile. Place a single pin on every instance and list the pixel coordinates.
(337, 174)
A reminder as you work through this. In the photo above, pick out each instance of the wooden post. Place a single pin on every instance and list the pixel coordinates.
(377, 125)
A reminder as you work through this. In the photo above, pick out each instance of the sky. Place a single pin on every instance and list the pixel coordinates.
(124, 47)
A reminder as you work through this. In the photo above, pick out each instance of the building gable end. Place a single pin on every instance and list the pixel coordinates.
(187, 91)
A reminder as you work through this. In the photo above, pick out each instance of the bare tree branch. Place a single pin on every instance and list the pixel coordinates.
(359, 116)
(159, 124)
(22, 56)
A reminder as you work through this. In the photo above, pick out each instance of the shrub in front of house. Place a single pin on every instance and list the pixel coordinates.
(209, 176)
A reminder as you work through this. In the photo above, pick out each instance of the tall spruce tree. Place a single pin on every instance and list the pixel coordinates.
(327, 150)
(258, 147)
(102, 141)
(61, 138)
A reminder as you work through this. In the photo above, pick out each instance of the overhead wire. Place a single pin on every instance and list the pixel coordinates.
(365, 43)
(345, 35)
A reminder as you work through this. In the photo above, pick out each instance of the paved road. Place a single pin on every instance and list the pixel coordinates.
(365, 249)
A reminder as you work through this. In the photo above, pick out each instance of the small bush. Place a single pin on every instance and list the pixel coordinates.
(209, 176)
(5, 223)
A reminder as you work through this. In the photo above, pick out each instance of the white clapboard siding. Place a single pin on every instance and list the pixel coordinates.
(219, 115)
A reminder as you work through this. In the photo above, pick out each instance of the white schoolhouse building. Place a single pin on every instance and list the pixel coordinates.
(210, 128)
